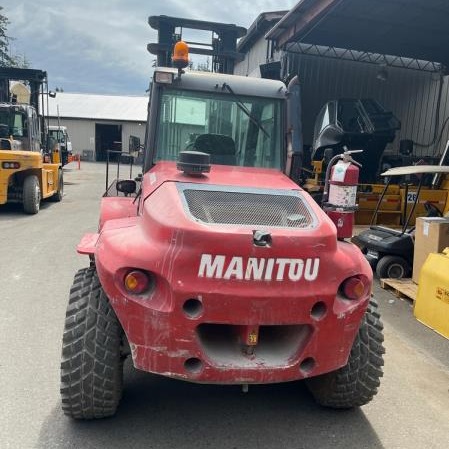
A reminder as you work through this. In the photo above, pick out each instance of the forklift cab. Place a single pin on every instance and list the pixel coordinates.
(19, 128)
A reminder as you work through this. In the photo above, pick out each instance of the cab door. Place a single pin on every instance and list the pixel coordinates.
(34, 130)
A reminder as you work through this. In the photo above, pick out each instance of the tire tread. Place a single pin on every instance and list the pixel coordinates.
(30, 195)
(358, 381)
(91, 365)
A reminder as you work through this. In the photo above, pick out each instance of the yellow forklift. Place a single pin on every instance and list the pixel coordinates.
(29, 170)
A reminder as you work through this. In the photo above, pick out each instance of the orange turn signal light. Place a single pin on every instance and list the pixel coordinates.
(137, 282)
(180, 56)
(354, 288)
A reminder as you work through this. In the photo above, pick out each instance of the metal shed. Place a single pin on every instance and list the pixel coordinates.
(395, 51)
(415, 29)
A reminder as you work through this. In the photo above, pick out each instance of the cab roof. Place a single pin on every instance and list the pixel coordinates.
(213, 82)
(416, 170)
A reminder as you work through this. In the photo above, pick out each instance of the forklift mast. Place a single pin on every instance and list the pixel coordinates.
(222, 46)
(37, 82)
(36, 79)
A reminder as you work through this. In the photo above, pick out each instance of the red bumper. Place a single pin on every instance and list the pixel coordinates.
(296, 339)
(192, 328)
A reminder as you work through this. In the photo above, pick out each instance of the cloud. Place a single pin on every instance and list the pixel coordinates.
(100, 46)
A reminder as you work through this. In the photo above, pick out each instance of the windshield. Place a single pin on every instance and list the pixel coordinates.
(58, 135)
(12, 123)
(234, 130)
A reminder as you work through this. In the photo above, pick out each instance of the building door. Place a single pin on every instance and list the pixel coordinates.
(107, 137)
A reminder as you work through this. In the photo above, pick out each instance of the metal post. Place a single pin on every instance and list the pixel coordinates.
(107, 170)
(414, 205)
(379, 202)
(404, 212)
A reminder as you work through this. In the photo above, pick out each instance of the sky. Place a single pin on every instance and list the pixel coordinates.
(99, 46)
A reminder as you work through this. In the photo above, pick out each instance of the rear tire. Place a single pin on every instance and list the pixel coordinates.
(394, 267)
(57, 197)
(31, 195)
(92, 362)
(357, 382)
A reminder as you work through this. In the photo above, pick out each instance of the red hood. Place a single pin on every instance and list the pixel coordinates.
(219, 175)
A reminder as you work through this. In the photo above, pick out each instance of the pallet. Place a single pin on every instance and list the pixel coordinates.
(402, 288)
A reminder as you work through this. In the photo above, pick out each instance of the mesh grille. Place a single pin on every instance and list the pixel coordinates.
(251, 209)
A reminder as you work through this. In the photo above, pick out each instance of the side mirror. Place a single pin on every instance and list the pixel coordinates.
(134, 144)
(126, 186)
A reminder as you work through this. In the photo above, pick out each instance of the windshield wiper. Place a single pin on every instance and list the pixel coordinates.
(242, 106)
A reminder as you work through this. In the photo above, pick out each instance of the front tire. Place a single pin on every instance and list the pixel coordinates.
(357, 382)
(92, 362)
(392, 267)
(31, 195)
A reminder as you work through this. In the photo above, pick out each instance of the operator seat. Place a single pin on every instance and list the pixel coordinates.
(220, 147)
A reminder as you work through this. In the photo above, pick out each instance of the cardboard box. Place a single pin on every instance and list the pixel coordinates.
(431, 236)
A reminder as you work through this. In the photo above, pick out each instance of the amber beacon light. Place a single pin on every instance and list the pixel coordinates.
(180, 55)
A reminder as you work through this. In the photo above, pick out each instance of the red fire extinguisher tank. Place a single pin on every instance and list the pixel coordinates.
(341, 204)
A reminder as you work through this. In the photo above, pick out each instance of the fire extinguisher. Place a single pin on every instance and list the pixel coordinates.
(340, 192)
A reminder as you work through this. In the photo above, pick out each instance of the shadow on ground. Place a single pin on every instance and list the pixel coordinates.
(15, 210)
(156, 412)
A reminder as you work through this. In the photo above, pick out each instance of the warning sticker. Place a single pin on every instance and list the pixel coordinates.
(342, 195)
(442, 294)
(339, 171)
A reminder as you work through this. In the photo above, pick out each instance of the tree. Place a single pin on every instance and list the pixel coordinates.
(6, 58)
(204, 66)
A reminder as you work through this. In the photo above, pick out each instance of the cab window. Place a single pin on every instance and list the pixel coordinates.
(234, 130)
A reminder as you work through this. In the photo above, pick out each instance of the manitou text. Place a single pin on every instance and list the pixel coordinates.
(258, 269)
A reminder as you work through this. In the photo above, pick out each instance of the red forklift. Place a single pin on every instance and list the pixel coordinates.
(214, 266)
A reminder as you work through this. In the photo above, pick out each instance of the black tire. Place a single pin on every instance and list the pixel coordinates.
(92, 362)
(31, 195)
(394, 267)
(57, 197)
(357, 382)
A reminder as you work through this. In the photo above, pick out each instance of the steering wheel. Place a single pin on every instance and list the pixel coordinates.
(432, 210)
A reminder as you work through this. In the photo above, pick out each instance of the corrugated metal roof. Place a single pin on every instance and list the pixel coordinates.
(415, 29)
(99, 107)
(260, 26)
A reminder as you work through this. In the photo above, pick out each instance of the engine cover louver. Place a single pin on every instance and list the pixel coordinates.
(258, 207)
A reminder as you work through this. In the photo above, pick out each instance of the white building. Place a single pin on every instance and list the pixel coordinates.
(97, 123)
